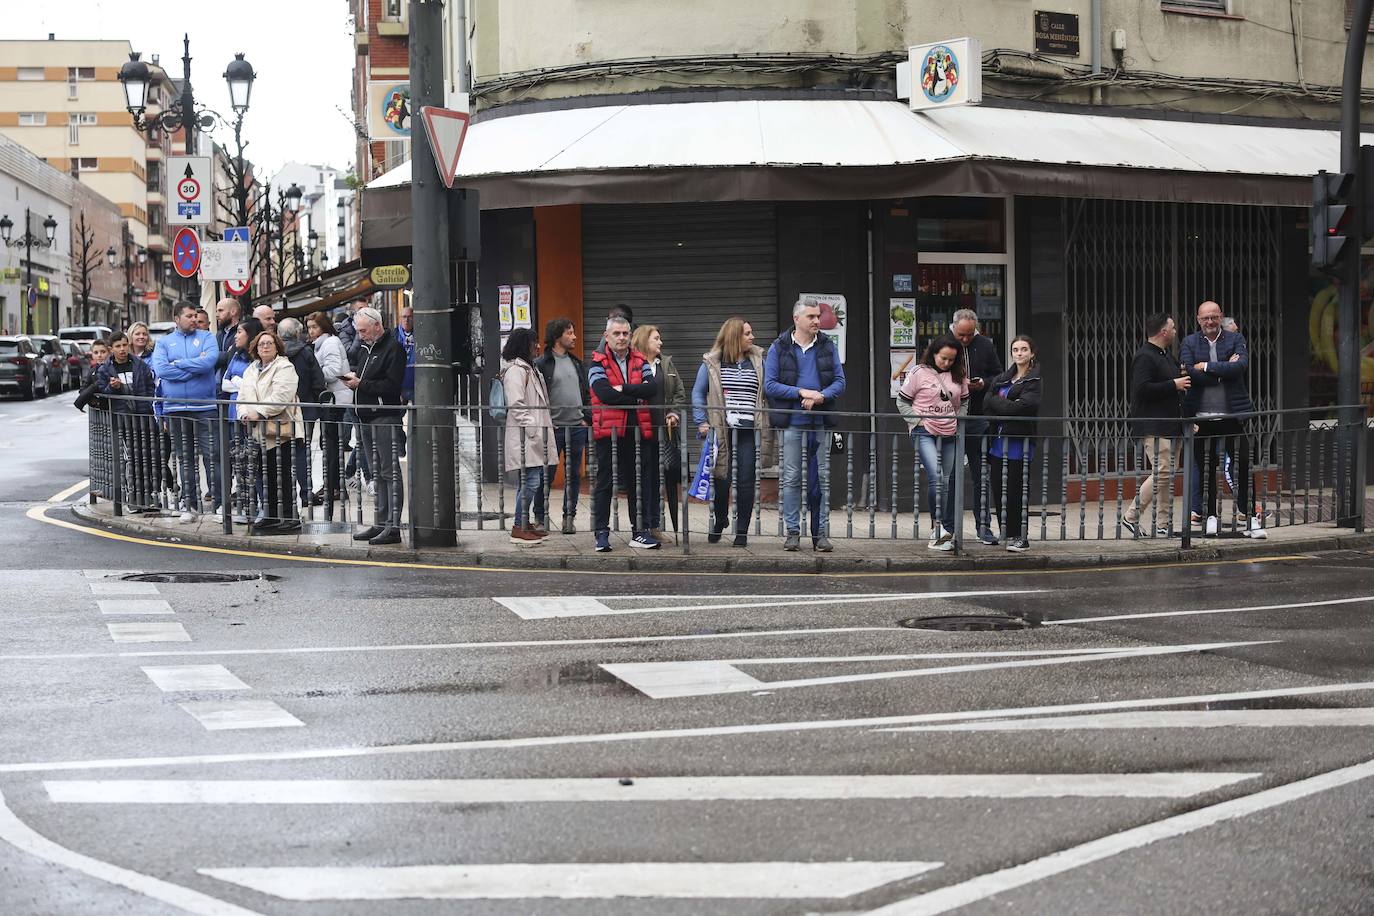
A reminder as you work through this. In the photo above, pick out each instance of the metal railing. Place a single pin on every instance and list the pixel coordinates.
(862, 479)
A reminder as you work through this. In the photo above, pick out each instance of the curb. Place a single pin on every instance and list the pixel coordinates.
(802, 564)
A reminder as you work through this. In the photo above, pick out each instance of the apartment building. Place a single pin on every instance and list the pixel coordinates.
(62, 100)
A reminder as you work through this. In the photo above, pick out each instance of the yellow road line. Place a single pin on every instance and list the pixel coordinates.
(39, 514)
(70, 491)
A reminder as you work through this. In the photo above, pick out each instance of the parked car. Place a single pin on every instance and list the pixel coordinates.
(77, 361)
(21, 367)
(54, 359)
(160, 329)
(86, 332)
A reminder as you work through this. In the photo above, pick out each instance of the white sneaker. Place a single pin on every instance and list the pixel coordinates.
(946, 545)
(240, 518)
(940, 539)
(1256, 529)
(1211, 529)
(187, 517)
(371, 488)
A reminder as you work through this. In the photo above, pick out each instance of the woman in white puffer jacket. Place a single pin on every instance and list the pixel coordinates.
(333, 360)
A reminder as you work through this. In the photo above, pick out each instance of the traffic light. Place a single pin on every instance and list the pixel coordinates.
(1333, 214)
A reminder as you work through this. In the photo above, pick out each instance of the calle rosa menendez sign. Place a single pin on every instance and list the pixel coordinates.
(1056, 33)
(390, 276)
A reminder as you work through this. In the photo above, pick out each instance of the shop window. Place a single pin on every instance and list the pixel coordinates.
(973, 225)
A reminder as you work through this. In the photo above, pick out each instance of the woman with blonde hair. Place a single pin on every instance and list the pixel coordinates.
(672, 394)
(728, 404)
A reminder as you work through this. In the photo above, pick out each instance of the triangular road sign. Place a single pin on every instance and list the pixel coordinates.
(446, 129)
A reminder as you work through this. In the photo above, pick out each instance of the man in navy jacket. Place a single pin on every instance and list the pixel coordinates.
(1217, 362)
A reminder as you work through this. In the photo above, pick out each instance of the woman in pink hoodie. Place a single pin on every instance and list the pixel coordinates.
(935, 390)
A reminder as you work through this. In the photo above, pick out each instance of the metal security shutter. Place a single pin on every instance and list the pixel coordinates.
(683, 267)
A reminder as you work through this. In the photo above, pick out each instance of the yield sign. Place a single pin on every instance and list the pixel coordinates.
(186, 252)
(446, 129)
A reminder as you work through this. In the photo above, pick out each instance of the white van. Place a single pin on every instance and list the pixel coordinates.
(86, 333)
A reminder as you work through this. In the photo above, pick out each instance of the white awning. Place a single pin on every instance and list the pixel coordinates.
(781, 134)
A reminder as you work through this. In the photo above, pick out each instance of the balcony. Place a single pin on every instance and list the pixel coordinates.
(154, 151)
(360, 40)
(155, 197)
(157, 244)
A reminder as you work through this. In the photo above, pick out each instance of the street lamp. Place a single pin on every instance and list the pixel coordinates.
(26, 242)
(142, 256)
(110, 255)
(239, 75)
(293, 198)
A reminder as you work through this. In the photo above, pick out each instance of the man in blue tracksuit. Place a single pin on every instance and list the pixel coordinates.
(802, 375)
(184, 363)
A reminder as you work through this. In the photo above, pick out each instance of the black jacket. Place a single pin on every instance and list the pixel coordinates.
(545, 366)
(225, 340)
(310, 385)
(144, 385)
(984, 363)
(1019, 407)
(382, 371)
(90, 390)
(1155, 403)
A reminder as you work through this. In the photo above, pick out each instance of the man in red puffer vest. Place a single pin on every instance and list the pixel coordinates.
(621, 385)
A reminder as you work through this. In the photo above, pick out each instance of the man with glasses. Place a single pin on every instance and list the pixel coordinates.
(1218, 361)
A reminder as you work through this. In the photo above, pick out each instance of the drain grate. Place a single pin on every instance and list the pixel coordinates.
(969, 623)
(195, 578)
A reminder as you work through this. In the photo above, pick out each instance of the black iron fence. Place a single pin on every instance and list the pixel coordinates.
(277, 469)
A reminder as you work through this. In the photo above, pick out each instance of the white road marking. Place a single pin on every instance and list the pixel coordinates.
(30, 418)
(1215, 610)
(581, 606)
(24, 838)
(449, 646)
(107, 573)
(148, 632)
(194, 677)
(578, 881)
(663, 680)
(1215, 718)
(122, 589)
(990, 885)
(643, 789)
(133, 606)
(240, 714)
(671, 734)
(71, 491)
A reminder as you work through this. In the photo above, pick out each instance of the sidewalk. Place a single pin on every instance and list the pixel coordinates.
(491, 546)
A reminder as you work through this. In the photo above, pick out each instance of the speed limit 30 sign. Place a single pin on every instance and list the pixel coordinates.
(190, 191)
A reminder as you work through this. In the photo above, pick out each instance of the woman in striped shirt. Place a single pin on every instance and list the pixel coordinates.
(728, 404)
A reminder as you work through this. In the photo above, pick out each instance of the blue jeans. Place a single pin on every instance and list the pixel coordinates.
(529, 495)
(940, 458)
(195, 437)
(817, 479)
(573, 440)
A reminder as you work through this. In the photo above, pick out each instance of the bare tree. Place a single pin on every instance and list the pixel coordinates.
(86, 258)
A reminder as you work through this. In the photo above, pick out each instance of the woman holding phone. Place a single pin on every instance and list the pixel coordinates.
(935, 391)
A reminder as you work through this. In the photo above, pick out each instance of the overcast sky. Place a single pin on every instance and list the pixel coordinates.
(302, 51)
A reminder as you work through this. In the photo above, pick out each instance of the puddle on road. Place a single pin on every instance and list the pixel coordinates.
(532, 680)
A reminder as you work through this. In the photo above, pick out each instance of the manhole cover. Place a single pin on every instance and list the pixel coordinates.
(195, 578)
(968, 623)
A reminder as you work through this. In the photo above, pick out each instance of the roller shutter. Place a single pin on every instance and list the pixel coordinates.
(683, 267)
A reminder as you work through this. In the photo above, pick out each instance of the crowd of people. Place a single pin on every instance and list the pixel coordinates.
(279, 382)
(624, 409)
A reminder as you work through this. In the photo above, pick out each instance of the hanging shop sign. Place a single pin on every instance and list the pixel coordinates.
(942, 74)
(390, 276)
(389, 114)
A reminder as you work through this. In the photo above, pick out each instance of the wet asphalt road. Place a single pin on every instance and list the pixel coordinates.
(204, 775)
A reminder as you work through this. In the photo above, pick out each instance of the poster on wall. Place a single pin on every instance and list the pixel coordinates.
(503, 309)
(901, 283)
(904, 362)
(902, 315)
(833, 315)
(524, 317)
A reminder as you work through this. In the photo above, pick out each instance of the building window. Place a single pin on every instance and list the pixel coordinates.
(155, 220)
(391, 9)
(1208, 6)
(33, 119)
(85, 164)
(30, 73)
(85, 74)
(74, 124)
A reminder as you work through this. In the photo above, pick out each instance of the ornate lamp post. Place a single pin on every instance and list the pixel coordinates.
(26, 242)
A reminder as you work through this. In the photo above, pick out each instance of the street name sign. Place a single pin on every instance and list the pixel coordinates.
(446, 130)
(224, 261)
(190, 191)
(186, 252)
